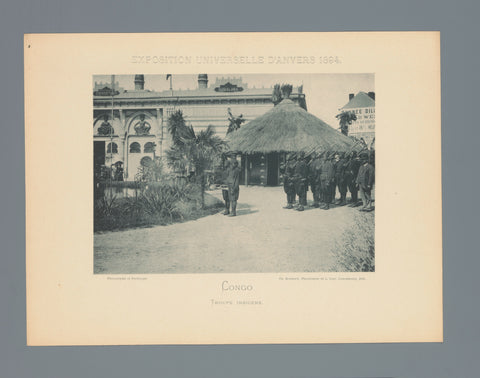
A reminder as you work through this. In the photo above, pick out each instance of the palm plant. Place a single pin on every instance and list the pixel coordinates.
(201, 151)
(345, 119)
(191, 149)
(276, 95)
(177, 159)
(178, 128)
(235, 122)
(281, 92)
(286, 90)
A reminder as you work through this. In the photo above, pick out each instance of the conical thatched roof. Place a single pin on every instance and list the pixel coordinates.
(288, 128)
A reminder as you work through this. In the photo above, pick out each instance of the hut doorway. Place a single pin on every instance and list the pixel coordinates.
(256, 169)
(260, 169)
(253, 169)
(272, 169)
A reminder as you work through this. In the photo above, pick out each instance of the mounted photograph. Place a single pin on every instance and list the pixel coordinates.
(233, 173)
(233, 188)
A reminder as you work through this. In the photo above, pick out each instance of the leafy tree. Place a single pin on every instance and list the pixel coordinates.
(345, 119)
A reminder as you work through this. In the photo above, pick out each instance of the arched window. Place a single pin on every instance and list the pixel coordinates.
(149, 147)
(112, 148)
(146, 161)
(135, 148)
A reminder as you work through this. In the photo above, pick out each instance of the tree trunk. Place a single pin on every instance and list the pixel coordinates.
(203, 196)
(202, 189)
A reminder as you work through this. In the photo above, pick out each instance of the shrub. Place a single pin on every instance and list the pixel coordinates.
(106, 206)
(157, 203)
(126, 184)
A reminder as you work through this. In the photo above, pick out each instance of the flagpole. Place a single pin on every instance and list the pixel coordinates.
(111, 137)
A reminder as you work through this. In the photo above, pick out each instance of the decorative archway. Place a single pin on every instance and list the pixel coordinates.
(106, 127)
(136, 118)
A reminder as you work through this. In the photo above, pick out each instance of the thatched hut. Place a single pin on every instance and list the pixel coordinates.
(264, 141)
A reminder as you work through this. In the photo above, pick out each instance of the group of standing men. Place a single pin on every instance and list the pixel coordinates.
(323, 173)
(326, 172)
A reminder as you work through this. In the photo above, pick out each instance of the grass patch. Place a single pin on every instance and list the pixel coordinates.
(356, 250)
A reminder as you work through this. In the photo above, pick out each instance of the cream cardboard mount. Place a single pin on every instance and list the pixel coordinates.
(67, 304)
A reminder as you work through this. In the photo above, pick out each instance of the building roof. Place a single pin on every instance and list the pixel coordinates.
(288, 128)
(193, 93)
(360, 100)
(211, 91)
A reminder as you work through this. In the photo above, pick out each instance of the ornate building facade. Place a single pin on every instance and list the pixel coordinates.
(130, 127)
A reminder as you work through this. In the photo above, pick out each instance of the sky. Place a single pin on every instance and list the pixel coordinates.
(325, 93)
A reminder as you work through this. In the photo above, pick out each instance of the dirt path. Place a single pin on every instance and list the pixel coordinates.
(263, 237)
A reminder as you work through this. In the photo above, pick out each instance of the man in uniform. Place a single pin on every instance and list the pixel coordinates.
(351, 173)
(224, 187)
(340, 165)
(365, 180)
(333, 185)
(300, 175)
(327, 180)
(323, 159)
(315, 171)
(233, 182)
(288, 181)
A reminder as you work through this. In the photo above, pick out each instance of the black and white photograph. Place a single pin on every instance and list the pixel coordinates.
(233, 173)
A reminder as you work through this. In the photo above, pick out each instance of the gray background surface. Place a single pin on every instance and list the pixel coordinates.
(457, 357)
